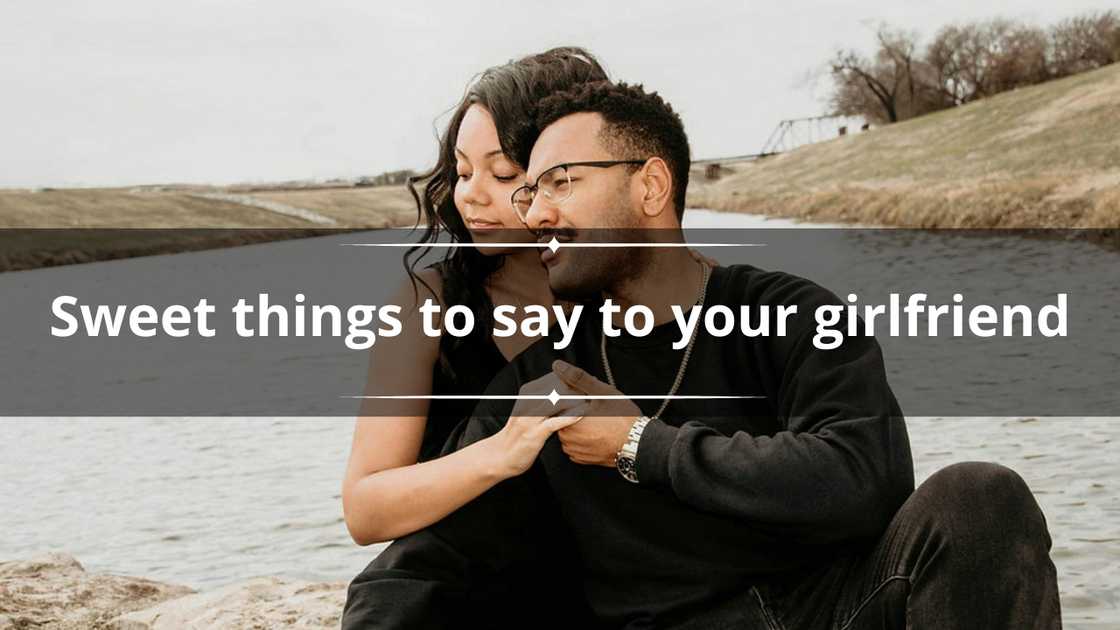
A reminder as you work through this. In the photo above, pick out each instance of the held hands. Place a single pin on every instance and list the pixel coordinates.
(531, 423)
(594, 440)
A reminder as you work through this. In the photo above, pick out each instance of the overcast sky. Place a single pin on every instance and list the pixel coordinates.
(140, 91)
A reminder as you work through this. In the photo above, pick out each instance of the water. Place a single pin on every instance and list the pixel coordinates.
(194, 501)
(207, 502)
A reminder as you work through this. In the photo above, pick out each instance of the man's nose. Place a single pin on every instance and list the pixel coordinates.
(541, 214)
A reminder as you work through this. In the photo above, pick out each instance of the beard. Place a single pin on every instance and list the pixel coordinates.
(585, 274)
(581, 274)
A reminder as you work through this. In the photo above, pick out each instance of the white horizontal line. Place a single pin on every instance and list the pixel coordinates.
(548, 397)
(548, 246)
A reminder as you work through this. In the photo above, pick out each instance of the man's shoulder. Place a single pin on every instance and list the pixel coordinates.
(747, 284)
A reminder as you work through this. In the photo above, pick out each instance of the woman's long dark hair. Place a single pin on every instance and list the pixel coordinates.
(510, 94)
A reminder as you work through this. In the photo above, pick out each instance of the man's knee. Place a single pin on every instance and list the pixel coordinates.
(981, 485)
(985, 501)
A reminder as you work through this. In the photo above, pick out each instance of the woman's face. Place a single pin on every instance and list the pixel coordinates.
(485, 180)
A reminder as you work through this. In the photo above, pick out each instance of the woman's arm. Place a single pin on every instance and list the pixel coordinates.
(386, 493)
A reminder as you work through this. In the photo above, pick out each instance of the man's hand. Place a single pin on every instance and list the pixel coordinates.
(597, 438)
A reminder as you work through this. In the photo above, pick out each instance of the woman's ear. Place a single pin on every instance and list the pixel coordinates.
(657, 187)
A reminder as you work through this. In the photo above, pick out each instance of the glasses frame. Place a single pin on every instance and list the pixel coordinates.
(532, 189)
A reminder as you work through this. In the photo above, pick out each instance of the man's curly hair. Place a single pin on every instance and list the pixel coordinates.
(638, 125)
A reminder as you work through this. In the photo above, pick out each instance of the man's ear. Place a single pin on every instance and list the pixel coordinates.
(656, 186)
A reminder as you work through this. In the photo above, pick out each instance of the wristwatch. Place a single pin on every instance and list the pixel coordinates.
(627, 458)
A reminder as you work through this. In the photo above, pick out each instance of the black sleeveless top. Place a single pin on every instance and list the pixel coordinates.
(465, 367)
(546, 589)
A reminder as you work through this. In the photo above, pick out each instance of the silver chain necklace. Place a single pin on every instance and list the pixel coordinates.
(684, 360)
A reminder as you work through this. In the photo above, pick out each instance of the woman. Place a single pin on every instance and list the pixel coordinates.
(395, 484)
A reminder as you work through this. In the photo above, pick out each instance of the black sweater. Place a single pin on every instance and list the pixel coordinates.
(731, 491)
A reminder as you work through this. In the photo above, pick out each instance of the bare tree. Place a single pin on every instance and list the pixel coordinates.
(966, 62)
(948, 80)
(881, 88)
(1085, 42)
(1020, 58)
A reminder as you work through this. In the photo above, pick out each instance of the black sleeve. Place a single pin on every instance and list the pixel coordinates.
(839, 470)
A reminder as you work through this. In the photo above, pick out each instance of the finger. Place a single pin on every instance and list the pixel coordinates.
(566, 407)
(543, 408)
(562, 421)
(541, 385)
(579, 379)
(559, 423)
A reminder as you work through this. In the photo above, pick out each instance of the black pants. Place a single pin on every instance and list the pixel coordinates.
(968, 549)
(506, 560)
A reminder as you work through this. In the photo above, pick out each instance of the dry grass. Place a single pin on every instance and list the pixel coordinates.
(382, 206)
(182, 217)
(186, 208)
(1041, 157)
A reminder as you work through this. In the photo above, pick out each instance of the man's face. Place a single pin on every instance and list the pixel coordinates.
(601, 206)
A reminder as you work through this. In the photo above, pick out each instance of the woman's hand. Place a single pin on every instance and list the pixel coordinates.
(531, 423)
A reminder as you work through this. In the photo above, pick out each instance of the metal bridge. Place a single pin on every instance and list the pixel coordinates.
(797, 132)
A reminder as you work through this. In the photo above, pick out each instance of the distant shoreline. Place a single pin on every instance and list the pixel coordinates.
(70, 226)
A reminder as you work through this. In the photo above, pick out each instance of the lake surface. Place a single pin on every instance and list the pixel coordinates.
(207, 502)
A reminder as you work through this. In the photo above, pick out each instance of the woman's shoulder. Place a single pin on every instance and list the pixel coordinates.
(419, 285)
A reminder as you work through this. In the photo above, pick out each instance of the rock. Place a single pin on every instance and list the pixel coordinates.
(54, 591)
(266, 602)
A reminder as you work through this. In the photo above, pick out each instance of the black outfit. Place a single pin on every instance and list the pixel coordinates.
(766, 512)
(496, 599)
(466, 369)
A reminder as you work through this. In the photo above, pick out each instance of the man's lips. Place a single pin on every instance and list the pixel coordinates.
(549, 257)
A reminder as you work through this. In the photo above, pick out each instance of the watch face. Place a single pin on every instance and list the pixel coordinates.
(625, 465)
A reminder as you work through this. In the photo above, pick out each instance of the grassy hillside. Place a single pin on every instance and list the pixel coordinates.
(205, 207)
(258, 215)
(1044, 156)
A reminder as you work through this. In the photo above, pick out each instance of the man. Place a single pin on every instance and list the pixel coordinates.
(787, 502)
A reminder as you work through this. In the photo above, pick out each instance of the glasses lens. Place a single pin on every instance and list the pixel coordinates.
(522, 198)
(555, 185)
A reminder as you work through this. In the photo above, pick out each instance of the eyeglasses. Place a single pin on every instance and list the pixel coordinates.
(556, 185)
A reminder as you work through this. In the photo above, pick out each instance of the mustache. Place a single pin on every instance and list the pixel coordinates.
(602, 235)
(559, 233)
